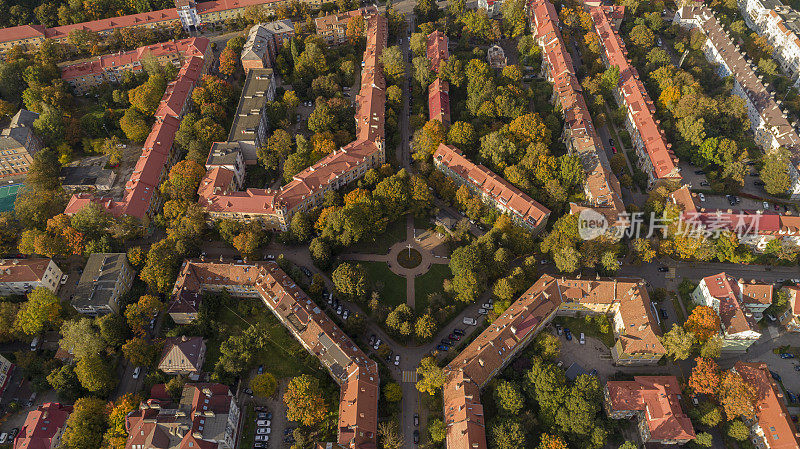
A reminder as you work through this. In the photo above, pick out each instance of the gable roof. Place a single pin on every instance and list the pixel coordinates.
(770, 406)
(182, 354)
(657, 396)
(41, 425)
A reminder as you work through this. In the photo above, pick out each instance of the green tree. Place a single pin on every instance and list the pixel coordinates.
(134, 125)
(65, 382)
(425, 327)
(431, 376)
(392, 392)
(146, 97)
(738, 430)
(508, 397)
(86, 424)
(304, 400)
(141, 352)
(507, 434)
(113, 329)
(350, 280)
(678, 343)
(775, 174)
(703, 439)
(437, 430)
(628, 445)
(96, 375)
(264, 385)
(42, 309)
(81, 338)
(462, 136)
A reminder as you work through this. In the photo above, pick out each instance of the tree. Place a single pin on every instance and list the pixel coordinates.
(422, 70)
(355, 28)
(117, 435)
(139, 314)
(227, 61)
(708, 414)
(427, 140)
(628, 445)
(678, 343)
(642, 37)
(350, 280)
(704, 439)
(391, 438)
(703, 322)
(393, 392)
(425, 327)
(65, 382)
(264, 385)
(160, 270)
(431, 376)
(736, 396)
(141, 352)
(705, 377)
(96, 375)
(508, 397)
(304, 401)
(393, 64)
(437, 430)
(567, 259)
(775, 174)
(462, 136)
(40, 310)
(712, 348)
(134, 126)
(507, 434)
(81, 338)
(738, 430)
(50, 125)
(113, 329)
(644, 250)
(547, 345)
(183, 180)
(8, 314)
(552, 442)
(86, 424)
(146, 97)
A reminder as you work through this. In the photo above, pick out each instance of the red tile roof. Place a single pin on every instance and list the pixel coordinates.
(657, 396)
(636, 99)
(439, 101)
(733, 317)
(770, 407)
(23, 270)
(520, 204)
(437, 49)
(41, 425)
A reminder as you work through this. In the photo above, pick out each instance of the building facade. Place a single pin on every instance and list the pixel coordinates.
(43, 427)
(6, 369)
(492, 189)
(183, 356)
(780, 25)
(491, 7)
(106, 278)
(790, 318)
(655, 403)
(21, 276)
(772, 426)
(18, 144)
(333, 27)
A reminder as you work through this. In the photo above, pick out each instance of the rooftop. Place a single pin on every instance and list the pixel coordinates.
(99, 279)
(251, 104)
(771, 412)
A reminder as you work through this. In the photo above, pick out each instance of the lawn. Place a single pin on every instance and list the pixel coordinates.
(430, 282)
(282, 356)
(579, 324)
(380, 244)
(249, 430)
(391, 287)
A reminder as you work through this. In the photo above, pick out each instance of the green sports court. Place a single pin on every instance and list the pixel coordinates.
(7, 196)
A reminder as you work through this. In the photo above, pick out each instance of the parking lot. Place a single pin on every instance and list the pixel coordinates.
(721, 203)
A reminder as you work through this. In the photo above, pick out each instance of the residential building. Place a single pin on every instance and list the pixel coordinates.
(437, 49)
(491, 7)
(601, 188)
(250, 124)
(274, 209)
(655, 402)
(768, 121)
(262, 43)
(21, 276)
(142, 198)
(18, 144)
(184, 306)
(780, 25)
(730, 300)
(87, 177)
(496, 57)
(772, 426)
(281, 30)
(439, 101)
(790, 318)
(333, 27)
(6, 369)
(625, 300)
(187, 13)
(84, 76)
(654, 155)
(491, 188)
(106, 278)
(206, 417)
(183, 356)
(228, 157)
(356, 373)
(43, 427)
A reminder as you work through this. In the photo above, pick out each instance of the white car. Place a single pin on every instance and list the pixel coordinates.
(264, 423)
(263, 431)
(470, 321)
(483, 311)
(136, 372)
(582, 339)
(270, 257)
(397, 360)
(377, 344)
(702, 197)
(766, 205)
(264, 438)
(64, 279)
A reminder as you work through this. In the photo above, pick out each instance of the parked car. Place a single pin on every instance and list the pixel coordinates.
(567, 333)
(13, 433)
(416, 437)
(487, 306)
(270, 257)
(339, 310)
(765, 205)
(442, 348)
(470, 321)
(260, 369)
(759, 183)
(416, 419)
(787, 355)
(663, 269)
(35, 343)
(699, 172)
(263, 431)
(345, 314)
(377, 344)
(704, 184)
(305, 271)
(663, 312)
(775, 375)
(264, 423)
(397, 360)
(263, 438)
(483, 311)
(64, 279)
(702, 197)
(582, 339)
(792, 397)
(3, 438)
(248, 391)
(372, 339)
(262, 415)
(459, 332)
(455, 337)
(559, 329)
(136, 372)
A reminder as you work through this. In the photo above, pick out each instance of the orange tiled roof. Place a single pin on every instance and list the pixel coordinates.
(437, 50)
(770, 407)
(23, 270)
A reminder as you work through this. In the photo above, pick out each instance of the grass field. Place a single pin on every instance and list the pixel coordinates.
(380, 244)
(391, 287)
(428, 283)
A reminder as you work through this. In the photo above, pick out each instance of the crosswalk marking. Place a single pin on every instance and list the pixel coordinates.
(410, 376)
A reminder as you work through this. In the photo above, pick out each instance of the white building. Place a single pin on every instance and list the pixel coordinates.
(21, 276)
(738, 304)
(780, 25)
(187, 12)
(492, 7)
(768, 121)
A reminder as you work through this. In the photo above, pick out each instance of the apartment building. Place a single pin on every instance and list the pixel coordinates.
(625, 300)
(142, 198)
(790, 318)
(18, 144)
(6, 369)
(491, 188)
(110, 68)
(601, 189)
(755, 229)
(21, 276)
(333, 27)
(183, 356)
(655, 403)
(206, 416)
(768, 121)
(274, 209)
(250, 124)
(772, 426)
(654, 155)
(43, 427)
(437, 49)
(439, 102)
(780, 25)
(732, 300)
(106, 278)
(262, 43)
(356, 373)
